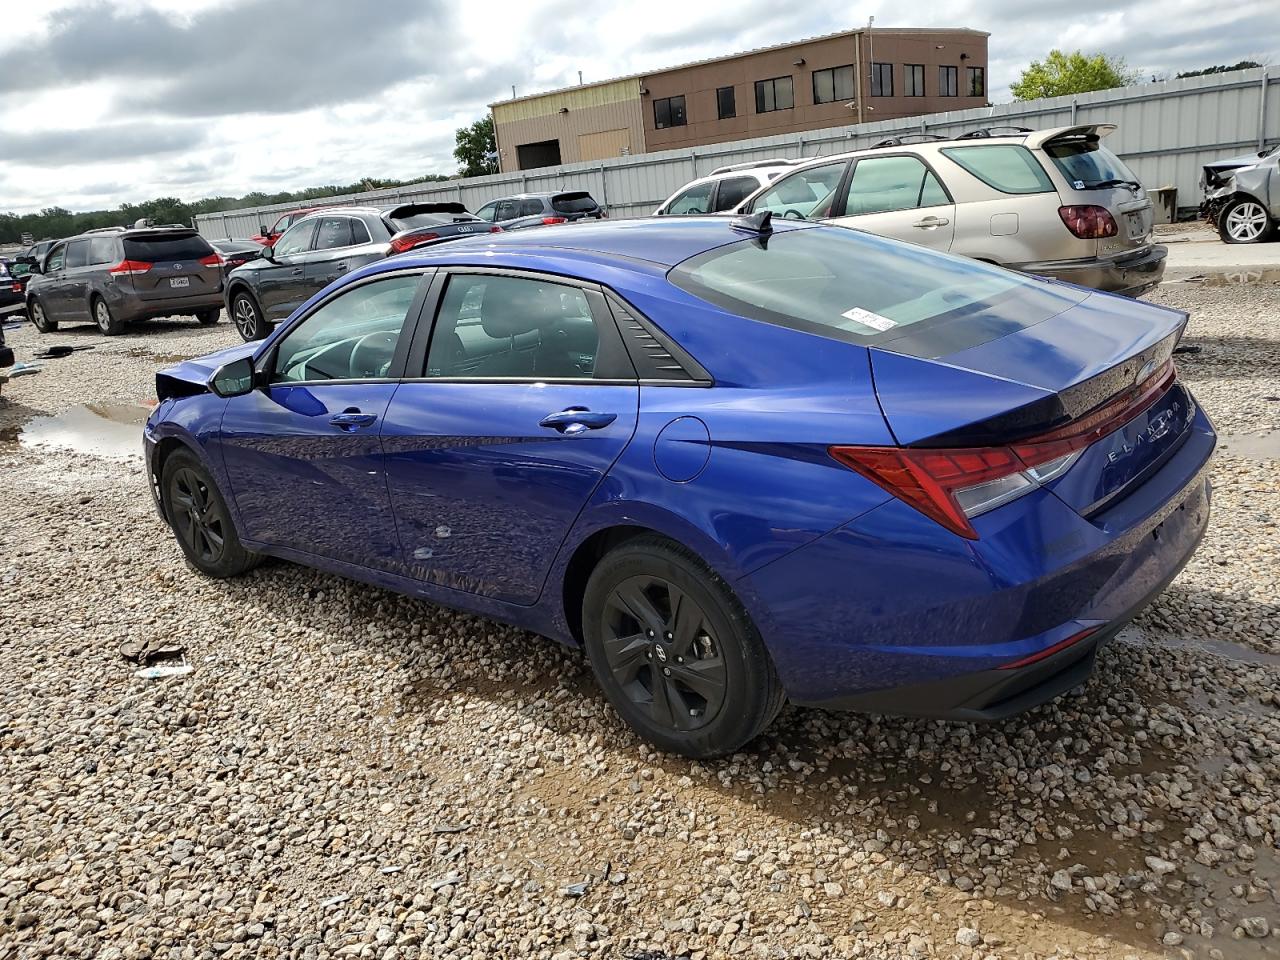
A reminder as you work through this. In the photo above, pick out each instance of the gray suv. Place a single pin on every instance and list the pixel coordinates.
(115, 276)
(541, 209)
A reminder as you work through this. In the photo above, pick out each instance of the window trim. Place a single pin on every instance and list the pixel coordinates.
(853, 75)
(733, 96)
(942, 87)
(906, 87)
(848, 185)
(265, 360)
(877, 73)
(774, 82)
(684, 111)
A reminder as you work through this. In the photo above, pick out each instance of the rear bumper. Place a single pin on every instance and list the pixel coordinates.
(6, 356)
(130, 306)
(1131, 275)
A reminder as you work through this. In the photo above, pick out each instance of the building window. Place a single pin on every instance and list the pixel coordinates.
(833, 84)
(913, 77)
(977, 77)
(948, 81)
(726, 103)
(668, 112)
(775, 94)
(882, 79)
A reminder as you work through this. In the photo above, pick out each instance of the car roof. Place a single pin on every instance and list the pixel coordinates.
(648, 244)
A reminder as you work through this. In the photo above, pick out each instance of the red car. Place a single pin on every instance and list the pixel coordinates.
(268, 237)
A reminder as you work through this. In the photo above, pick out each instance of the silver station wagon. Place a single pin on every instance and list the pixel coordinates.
(1056, 203)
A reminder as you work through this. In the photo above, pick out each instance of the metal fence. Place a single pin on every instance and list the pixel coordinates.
(1166, 132)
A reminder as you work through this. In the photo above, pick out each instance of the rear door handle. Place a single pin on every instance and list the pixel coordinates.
(352, 420)
(576, 420)
(296, 272)
(928, 222)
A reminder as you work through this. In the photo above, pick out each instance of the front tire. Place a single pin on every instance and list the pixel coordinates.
(200, 520)
(207, 318)
(1244, 220)
(39, 319)
(675, 652)
(248, 318)
(108, 323)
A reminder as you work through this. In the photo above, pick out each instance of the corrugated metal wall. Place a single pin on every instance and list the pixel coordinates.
(1166, 132)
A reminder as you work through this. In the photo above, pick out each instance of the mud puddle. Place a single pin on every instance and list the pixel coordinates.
(1233, 278)
(1260, 445)
(1221, 648)
(111, 430)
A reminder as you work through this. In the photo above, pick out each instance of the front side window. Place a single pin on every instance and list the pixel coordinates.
(948, 82)
(487, 211)
(77, 253)
(697, 199)
(668, 112)
(734, 190)
(1008, 167)
(333, 232)
(882, 79)
(833, 84)
(296, 240)
(913, 79)
(977, 81)
(807, 194)
(775, 94)
(726, 103)
(57, 259)
(884, 184)
(351, 337)
(512, 327)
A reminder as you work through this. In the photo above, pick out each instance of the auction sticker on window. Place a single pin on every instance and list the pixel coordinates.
(868, 319)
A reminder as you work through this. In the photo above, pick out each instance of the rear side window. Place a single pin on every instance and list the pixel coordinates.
(151, 249)
(1008, 167)
(1087, 164)
(852, 286)
(335, 232)
(573, 203)
(77, 253)
(530, 208)
(102, 250)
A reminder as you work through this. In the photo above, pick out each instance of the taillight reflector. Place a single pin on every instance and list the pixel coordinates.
(1050, 651)
(212, 260)
(495, 229)
(129, 268)
(401, 244)
(1089, 222)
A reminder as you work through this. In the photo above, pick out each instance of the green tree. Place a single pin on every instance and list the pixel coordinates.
(1076, 72)
(477, 149)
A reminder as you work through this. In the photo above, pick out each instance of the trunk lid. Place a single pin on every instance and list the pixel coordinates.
(171, 265)
(1040, 379)
(1098, 177)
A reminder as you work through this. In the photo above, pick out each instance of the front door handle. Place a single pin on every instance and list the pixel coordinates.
(296, 272)
(352, 420)
(928, 222)
(575, 420)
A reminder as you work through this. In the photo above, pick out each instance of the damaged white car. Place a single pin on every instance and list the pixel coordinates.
(1242, 196)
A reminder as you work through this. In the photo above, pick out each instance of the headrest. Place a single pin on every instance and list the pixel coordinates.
(512, 307)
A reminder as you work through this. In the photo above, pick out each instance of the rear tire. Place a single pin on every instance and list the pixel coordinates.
(39, 319)
(675, 652)
(106, 321)
(1245, 220)
(200, 520)
(207, 318)
(248, 318)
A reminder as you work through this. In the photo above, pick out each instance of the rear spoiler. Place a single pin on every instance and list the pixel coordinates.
(1088, 131)
(413, 209)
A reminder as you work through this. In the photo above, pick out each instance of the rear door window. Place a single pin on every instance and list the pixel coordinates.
(333, 232)
(734, 190)
(884, 184)
(807, 194)
(77, 254)
(153, 249)
(530, 208)
(1008, 167)
(508, 210)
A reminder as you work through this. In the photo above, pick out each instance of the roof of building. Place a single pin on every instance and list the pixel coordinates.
(878, 31)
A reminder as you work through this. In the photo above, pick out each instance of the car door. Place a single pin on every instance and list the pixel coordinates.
(302, 453)
(342, 244)
(51, 288)
(526, 400)
(901, 197)
(281, 281)
(74, 290)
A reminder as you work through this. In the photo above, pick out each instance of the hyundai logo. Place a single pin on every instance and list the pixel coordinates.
(660, 653)
(1147, 370)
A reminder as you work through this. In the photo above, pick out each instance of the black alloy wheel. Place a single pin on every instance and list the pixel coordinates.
(200, 519)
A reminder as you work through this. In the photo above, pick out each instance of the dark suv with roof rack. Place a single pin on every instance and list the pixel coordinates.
(116, 275)
(541, 209)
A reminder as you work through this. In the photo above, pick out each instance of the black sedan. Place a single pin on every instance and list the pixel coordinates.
(323, 246)
(236, 253)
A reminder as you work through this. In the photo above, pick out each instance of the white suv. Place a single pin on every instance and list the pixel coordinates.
(1054, 203)
(725, 187)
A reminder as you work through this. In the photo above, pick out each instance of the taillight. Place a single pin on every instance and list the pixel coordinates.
(495, 229)
(953, 485)
(129, 268)
(401, 244)
(549, 221)
(17, 288)
(1089, 222)
(1050, 651)
(212, 260)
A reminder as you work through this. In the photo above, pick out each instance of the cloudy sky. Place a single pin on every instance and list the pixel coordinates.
(107, 101)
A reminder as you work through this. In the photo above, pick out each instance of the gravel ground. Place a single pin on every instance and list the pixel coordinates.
(348, 773)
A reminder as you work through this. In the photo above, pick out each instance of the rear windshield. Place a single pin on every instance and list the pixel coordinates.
(429, 220)
(852, 286)
(573, 203)
(1089, 165)
(181, 247)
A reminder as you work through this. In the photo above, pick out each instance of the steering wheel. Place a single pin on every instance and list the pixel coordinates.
(792, 214)
(372, 354)
(694, 210)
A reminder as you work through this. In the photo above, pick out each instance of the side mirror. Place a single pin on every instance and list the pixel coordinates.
(234, 379)
(262, 230)
(268, 253)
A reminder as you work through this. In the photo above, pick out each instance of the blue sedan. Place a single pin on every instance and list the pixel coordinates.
(739, 462)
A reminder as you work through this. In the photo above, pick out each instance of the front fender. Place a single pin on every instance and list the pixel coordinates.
(193, 422)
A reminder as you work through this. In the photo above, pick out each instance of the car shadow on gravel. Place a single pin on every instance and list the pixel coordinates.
(1225, 358)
